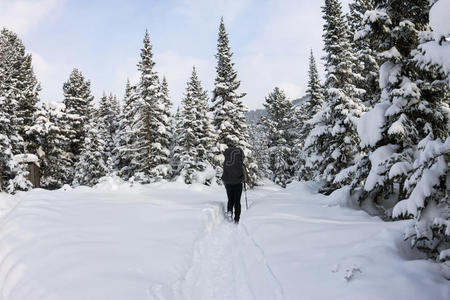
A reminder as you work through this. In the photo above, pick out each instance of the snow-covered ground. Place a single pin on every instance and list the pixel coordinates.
(170, 241)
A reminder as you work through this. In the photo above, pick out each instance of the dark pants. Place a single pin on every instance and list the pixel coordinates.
(234, 192)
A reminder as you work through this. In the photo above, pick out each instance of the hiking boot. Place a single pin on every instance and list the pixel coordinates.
(229, 216)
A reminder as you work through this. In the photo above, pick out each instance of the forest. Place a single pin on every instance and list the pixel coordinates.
(376, 126)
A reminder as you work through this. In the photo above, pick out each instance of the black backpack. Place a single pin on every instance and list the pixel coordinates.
(233, 172)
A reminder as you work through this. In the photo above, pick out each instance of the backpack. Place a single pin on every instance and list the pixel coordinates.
(233, 172)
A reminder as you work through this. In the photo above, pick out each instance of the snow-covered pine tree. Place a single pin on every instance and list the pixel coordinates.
(279, 125)
(258, 144)
(427, 199)
(332, 144)
(123, 151)
(22, 83)
(228, 109)
(91, 165)
(195, 135)
(304, 113)
(12, 174)
(9, 44)
(150, 129)
(411, 103)
(207, 145)
(176, 148)
(367, 63)
(108, 123)
(164, 132)
(50, 131)
(78, 103)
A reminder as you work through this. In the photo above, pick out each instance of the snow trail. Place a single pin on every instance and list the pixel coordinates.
(228, 264)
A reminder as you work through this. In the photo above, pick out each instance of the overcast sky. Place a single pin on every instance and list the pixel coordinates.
(270, 40)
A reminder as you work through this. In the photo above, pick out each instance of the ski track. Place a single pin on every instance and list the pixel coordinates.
(227, 263)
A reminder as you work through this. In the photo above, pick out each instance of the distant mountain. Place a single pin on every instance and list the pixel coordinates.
(254, 115)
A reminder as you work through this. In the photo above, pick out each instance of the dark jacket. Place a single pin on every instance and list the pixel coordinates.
(233, 169)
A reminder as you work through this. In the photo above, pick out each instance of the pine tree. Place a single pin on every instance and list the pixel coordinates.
(176, 148)
(9, 44)
(108, 123)
(411, 103)
(426, 188)
(150, 129)
(124, 151)
(77, 100)
(195, 135)
(228, 109)
(279, 126)
(91, 166)
(365, 48)
(51, 131)
(304, 113)
(164, 137)
(23, 85)
(332, 145)
(14, 88)
(6, 157)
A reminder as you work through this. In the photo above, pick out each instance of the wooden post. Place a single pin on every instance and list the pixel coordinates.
(34, 175)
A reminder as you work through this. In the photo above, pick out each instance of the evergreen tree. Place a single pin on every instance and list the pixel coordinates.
(411, 105)
(10, 47)
(279, 124)
(164, 137)
(365, 47)
(228, 109)
(51, 131)
(427, 199)
(332, 145)
(123, 151)
(195, 135)
(304, 113)
(176, 149)
(258, 142)
(11, 172)
(77, 100)
(108, 123)
(20, 84)
(150, 130)
(91, 166)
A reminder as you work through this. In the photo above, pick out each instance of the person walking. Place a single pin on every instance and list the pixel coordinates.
(233, 177)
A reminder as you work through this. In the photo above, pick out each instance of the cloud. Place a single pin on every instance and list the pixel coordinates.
(22, 15)
(51, 76)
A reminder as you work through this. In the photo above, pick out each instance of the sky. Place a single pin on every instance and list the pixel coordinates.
(270, 39)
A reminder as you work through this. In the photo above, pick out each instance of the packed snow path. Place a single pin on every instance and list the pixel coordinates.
(170, 241)
(221, 263)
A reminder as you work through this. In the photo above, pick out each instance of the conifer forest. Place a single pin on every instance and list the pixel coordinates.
(367, 144)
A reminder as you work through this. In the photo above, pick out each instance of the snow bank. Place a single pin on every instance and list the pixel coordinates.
(7, 203)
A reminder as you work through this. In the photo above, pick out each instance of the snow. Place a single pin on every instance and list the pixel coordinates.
(369, 125)
(170, 241)
(380, 155)
(439, 19)
(26, 158)
(437, 51)
(389, 73)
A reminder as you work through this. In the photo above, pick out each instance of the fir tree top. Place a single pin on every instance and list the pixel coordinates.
(226, 82)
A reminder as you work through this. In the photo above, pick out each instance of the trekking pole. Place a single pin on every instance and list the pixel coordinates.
(245, 191)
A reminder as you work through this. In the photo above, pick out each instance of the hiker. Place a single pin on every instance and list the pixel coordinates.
(234, 176)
